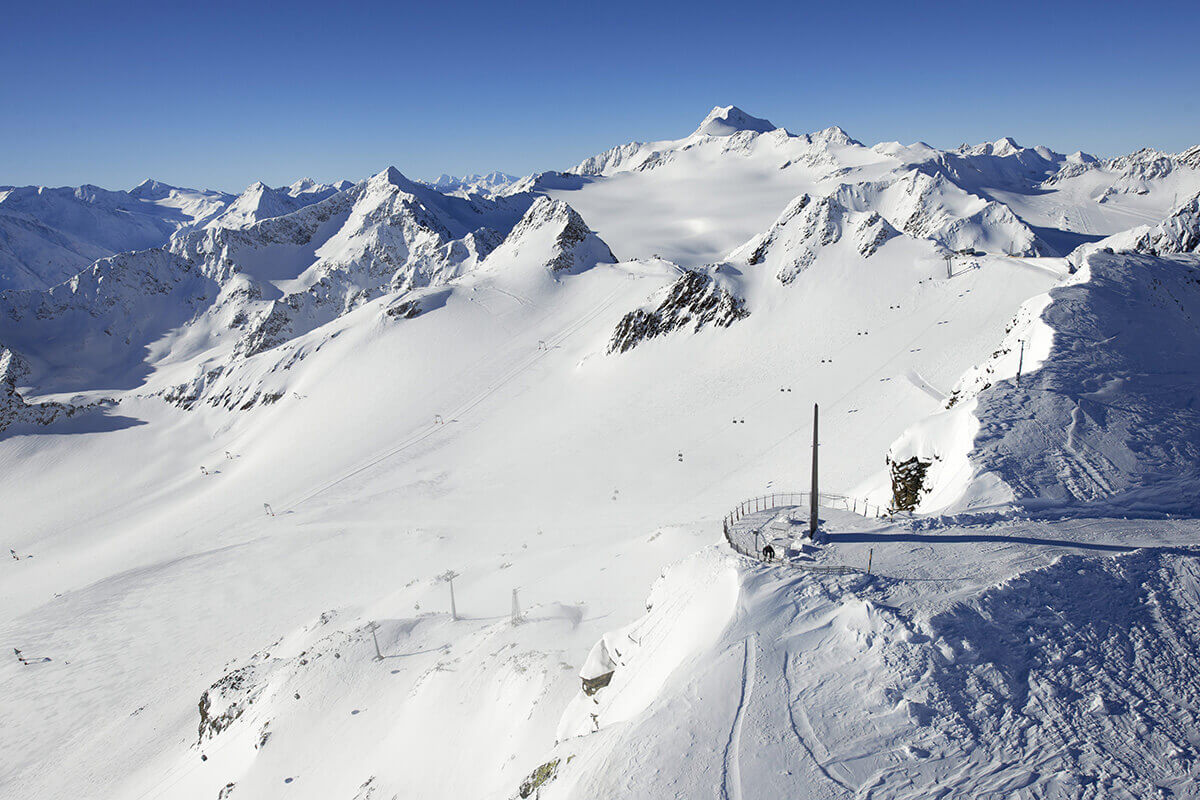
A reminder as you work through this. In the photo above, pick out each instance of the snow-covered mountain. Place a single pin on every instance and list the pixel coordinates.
(493, 182)
(330, 490)
(48, 235)
(260, 202)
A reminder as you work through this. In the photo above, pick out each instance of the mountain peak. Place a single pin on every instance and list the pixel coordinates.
(1005, 145)
(391, 176)
(151, 189)
(728, 120)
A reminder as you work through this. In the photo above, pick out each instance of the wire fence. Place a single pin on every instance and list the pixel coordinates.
(775, 500)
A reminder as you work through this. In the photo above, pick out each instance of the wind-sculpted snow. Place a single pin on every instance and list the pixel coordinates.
(1072, 680)
(1105, 418)
(726, 120)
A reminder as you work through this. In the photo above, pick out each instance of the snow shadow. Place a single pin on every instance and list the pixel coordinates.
(963, 538)
(87, 421)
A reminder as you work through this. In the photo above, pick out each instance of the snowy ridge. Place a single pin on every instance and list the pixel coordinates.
(495, 182)
(727, 120)
(697, 297)
(553, 228)
(807, 226)
(47, 235)
(260, 202)
(1102, 417)
(1178, 233)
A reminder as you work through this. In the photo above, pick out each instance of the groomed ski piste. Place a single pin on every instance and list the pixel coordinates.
(552, 414)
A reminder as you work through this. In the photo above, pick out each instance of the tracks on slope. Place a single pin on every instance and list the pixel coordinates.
(733, 748)
(468, 405)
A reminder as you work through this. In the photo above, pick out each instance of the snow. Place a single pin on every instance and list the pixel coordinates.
(726, 120)
(418, 381)
(47, 235)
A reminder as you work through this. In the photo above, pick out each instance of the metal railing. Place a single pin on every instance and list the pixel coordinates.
(775, 500)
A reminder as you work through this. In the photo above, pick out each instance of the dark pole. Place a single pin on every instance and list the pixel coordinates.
(812, 500)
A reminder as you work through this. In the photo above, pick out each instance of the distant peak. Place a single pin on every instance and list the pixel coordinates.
(151, 189)
(1005, 145)
(391, 176)
(728, 120)
(834, 134)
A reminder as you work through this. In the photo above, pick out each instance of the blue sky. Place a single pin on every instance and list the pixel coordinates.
(219, 95)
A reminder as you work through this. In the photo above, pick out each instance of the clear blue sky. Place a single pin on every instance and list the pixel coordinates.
(219, 95)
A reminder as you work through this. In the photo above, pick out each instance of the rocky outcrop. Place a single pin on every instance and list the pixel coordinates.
(908, 482)
(13, 408)
(806, 227)
(695, 299)
(226, 700)
(560, 239)
(1178, 233)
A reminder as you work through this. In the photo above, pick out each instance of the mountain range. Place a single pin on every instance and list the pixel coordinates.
(332, 490)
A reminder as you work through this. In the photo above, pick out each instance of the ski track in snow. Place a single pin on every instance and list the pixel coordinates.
(925, 386)
(803, 730)
(733, 748)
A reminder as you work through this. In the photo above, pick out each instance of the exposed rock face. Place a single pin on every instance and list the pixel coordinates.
(226, 700)
(908, 482)
(13, 408)
(695, 298)
(1130, 173)
(531, 786)
(808, 225)
(1178, 233)
(610, 160)
(553, 227)
(260, 202)
(593, 685)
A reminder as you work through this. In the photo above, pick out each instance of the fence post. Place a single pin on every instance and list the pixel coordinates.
(870, 558)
